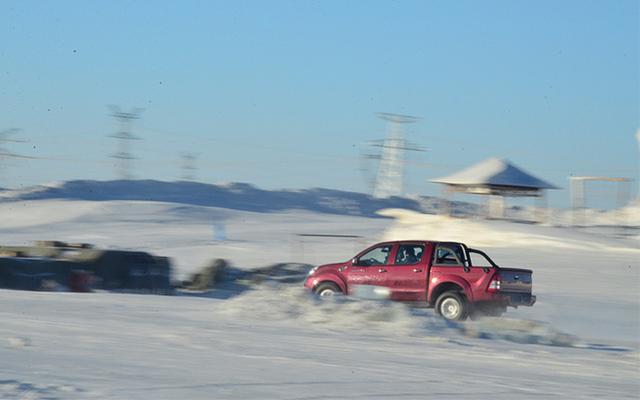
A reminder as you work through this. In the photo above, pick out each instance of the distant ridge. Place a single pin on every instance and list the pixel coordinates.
(238, 196)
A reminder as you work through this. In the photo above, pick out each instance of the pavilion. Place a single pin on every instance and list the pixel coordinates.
(496, 178)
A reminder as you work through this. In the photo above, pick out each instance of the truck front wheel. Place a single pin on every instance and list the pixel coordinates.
(327, 289)
(452, 306)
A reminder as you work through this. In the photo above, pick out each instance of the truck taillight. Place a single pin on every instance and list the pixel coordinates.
(494, 285)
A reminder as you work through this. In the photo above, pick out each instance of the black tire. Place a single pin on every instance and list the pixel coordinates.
(452, 306)
(327, 289)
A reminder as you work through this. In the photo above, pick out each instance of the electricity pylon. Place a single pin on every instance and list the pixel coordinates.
(390, 178)
(123, 154)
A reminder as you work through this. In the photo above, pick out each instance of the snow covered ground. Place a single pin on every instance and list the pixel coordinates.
(581, 340)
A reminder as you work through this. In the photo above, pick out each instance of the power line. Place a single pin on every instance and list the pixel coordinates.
(6, 154)
(4, 138)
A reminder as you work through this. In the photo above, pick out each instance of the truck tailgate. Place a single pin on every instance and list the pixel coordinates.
(515, 280)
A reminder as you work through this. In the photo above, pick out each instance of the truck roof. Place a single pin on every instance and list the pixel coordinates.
(421, 240)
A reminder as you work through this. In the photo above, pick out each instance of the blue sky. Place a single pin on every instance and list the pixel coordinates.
(283, 94)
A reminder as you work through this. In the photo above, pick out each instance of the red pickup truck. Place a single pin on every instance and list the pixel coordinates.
(456, 280)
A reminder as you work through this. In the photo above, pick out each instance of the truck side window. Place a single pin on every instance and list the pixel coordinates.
(409, 254)
(377, 256)
(449, 255)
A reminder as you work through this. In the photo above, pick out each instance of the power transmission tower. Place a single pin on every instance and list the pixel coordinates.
(390, 178)
(123, 154)
(188, 166)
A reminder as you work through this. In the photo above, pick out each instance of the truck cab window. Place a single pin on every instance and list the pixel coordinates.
(409, 254)
(450, 254)
(377, 256)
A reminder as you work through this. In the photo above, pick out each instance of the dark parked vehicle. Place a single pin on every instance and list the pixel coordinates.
(53, 265)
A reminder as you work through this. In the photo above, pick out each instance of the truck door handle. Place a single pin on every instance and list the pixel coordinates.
(417, 270)
(382, 270)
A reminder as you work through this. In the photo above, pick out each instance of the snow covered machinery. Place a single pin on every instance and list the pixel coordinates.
(79, 267)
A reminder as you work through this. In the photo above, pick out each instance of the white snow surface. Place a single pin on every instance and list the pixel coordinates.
(580, 341)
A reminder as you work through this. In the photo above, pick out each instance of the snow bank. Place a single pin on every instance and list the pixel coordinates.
(628, 216)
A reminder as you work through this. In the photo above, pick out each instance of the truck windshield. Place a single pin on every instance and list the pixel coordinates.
(376, 256)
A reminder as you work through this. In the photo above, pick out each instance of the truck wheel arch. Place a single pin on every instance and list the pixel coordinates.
(331, 279)
(329, 286)
(446, 287)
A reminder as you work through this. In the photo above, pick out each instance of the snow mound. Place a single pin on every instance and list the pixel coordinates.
(412, 225)
(628, 216)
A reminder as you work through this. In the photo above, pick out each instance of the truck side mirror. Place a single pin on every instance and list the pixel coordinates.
(354, 261)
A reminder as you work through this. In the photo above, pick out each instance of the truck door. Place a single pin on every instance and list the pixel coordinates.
(369, 268)
(407, 277)
(451, 259)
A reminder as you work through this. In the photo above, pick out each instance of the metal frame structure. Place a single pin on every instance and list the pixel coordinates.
(578, 194)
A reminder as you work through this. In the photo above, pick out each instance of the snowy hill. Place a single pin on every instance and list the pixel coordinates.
(246, 197)
(236, 196)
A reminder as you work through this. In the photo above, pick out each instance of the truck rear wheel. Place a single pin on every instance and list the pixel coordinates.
(327, 289)
(452, 306)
